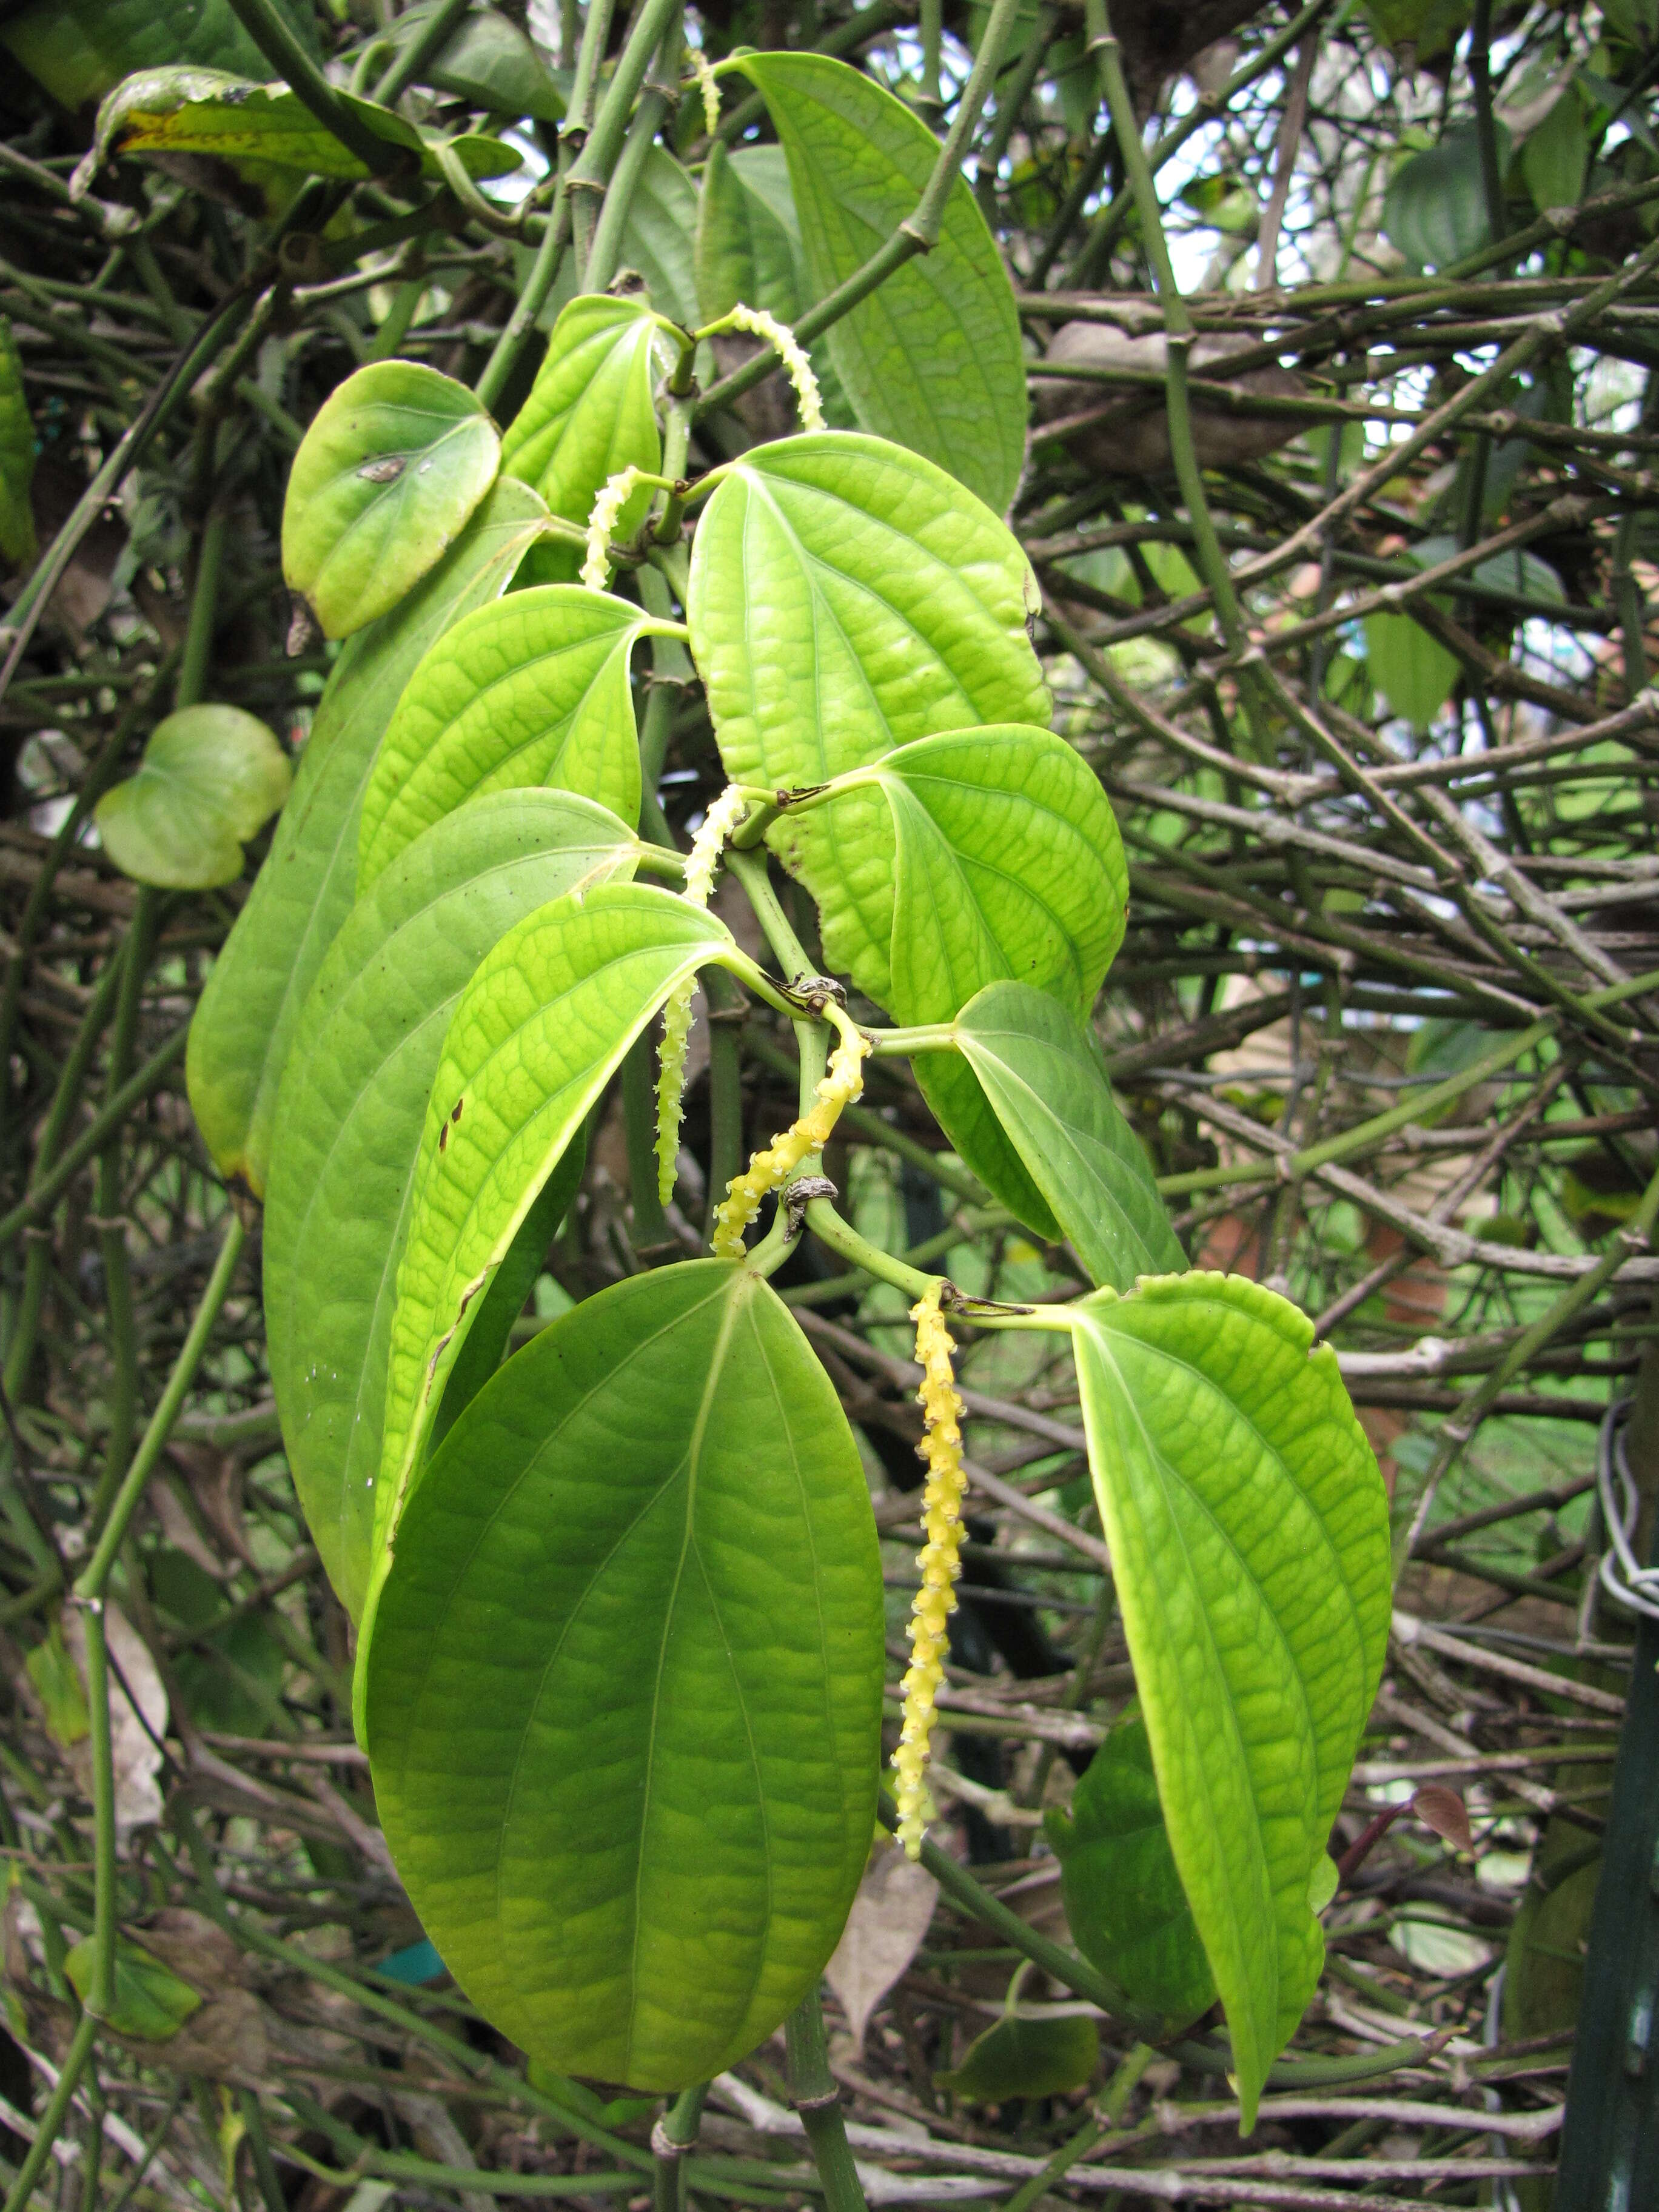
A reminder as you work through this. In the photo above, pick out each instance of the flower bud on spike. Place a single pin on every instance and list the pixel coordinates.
(722, 819)
(768, 1170)
(940, 1562)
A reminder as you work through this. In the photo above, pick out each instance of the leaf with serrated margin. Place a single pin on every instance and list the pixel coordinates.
(1044, 1076)
(591, 412)
(532, 690)
(348, 1121)
(624, 1695)
(396, 460)
(1250, 1536)
(933, 356)
(245, 1019)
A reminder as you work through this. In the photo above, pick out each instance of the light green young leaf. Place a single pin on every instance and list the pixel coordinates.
(1414, 672)
(1043, 1072)
(349, 1121)
(79, 49)
(1124, 1903)
(590, 413)
(533, 689)
(1248, 1530)
(540, 1030)
(264, 132)
(245, 1019)
(624, 1696)
(1021, 2056)
(151, 2003)
(211, 777)
(16, 457)
(395, 463)
(933, 356)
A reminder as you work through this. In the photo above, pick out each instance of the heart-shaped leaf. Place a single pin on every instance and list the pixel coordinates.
(1023, 2055)
(151, 2003)
(394, 463)
(591, 412)
(624, 1694)
(348, 1121)
(1250, 1536)
(538, 1034)
(533, 689)
(16, 457)
(1124, 1903)
(211, 778)
(1044, 1076)
(933, 356)
(245, 1019)
(263, 132)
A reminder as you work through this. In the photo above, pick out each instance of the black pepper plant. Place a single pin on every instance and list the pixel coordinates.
(618, 1596)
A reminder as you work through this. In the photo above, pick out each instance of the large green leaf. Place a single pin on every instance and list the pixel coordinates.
(212, 777)
(533, 689)
(1414, 672)
(1043, 1073)
(1124, 1903)
(262, 132)
(487, 61)
(395, 463)
(245, 1019)
(1249, 1531)
(624, 1696)
(538, 1034)
(1020, 2056)
(591, 412)
(16, 457)
(933, 356)
(1435, 209)
(349, 1121)
(659, 236)
(82, 49)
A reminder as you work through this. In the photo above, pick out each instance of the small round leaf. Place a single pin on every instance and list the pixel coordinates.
(210, 777)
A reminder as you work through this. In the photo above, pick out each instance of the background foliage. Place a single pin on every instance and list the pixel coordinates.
(1371, 698)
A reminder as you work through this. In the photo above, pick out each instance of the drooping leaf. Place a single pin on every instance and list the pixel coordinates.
(232, 1678)
(393, 466)
(489, 62)
(1435, 209)
(211, 778)
(590, 413)
(933, 356)
(1248, 1530)
(349, 1121)
(1414, 672)
(532, 690)
(245, 1017)
(624, 1691)
(151, 2003)
(16, 457)
(1043, 1072)
(1553, 159)
(79, 49)
(539, 1030)
(261, 132)
(1124, 1903)
(1021, 2055)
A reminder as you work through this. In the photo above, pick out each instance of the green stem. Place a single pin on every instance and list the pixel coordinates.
(817, 2097)
(277, 41)
(53, 1180)
(112, 1233)
(100, 1992)
(427, 43)
(56, 2112)
(675, 2134)
(605, 251)
(640, 1124)
(591, 170)
(751, 871)
(828, 1226)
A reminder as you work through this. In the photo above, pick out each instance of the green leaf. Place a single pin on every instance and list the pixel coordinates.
(1435, 209)
(1250, 1538)
(258, 131)
(538, 1032)
(211, 777)
(1414, 672)
(16, 457)
(1124, 1903)
(624, 1696)
(659, 236)
(932, 357)
(749, 249)
(533, 689)
(245, 1017)
(589, 413)
(1553, 159)
(1420, 31)
(1023, 2056)
(489, 62)
(231, 1679)
(151, 2003)
(79, 49)
(57, 1684)
(348, 1121)
(1045, 1077)
(395, 463)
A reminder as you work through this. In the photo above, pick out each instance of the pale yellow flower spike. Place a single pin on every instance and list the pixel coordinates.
(708, 86)
(610, 503)
(792, 353)
(940, 1562)
(768, 1170)
(722, 819)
